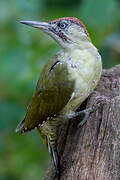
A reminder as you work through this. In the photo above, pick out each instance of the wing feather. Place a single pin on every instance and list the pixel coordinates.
(53, 91)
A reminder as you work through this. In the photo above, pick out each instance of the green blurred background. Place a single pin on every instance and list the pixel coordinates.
(23, 52)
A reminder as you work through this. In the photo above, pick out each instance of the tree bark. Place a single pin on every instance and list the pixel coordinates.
(92, 152)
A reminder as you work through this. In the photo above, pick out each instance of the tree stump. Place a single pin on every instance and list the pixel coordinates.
(92, 152)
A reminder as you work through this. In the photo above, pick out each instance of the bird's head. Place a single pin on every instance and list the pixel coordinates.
(66, 31)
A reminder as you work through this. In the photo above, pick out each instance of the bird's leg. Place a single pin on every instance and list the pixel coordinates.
(87, 111)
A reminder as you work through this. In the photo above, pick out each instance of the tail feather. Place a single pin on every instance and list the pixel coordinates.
(20, 126)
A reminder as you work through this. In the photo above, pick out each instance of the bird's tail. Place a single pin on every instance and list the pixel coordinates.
(53, 151)
(20, 126)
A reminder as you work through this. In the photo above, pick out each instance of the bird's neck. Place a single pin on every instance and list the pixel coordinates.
(81, 46)
(79, 42)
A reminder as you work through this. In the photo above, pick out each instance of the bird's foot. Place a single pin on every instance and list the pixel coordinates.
(98, 103)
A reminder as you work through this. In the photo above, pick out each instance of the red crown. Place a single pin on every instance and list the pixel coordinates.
(74, 19)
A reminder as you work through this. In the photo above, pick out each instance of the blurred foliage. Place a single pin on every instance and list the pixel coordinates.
(23, 52)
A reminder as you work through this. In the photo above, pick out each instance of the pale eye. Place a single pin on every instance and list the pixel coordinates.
(62, 25)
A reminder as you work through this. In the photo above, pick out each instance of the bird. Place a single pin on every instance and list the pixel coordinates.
(66, 80)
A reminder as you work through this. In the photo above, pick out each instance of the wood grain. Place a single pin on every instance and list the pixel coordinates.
(92, 152)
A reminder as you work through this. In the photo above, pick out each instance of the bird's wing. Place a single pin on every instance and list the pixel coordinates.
(53, 91)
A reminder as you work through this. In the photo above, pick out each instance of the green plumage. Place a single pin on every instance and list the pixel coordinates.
(53, 91)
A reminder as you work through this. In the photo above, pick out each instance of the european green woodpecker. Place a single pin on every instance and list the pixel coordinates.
(65, 81)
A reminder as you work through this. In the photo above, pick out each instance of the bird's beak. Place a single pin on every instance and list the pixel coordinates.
(44, 26)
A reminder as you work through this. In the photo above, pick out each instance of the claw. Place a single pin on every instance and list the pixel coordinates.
(85, 118)
(90, 110)
(100, 101)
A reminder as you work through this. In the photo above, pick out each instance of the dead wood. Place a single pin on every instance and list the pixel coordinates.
(92, 152)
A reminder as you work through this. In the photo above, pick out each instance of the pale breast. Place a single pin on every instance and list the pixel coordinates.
(85, 70)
